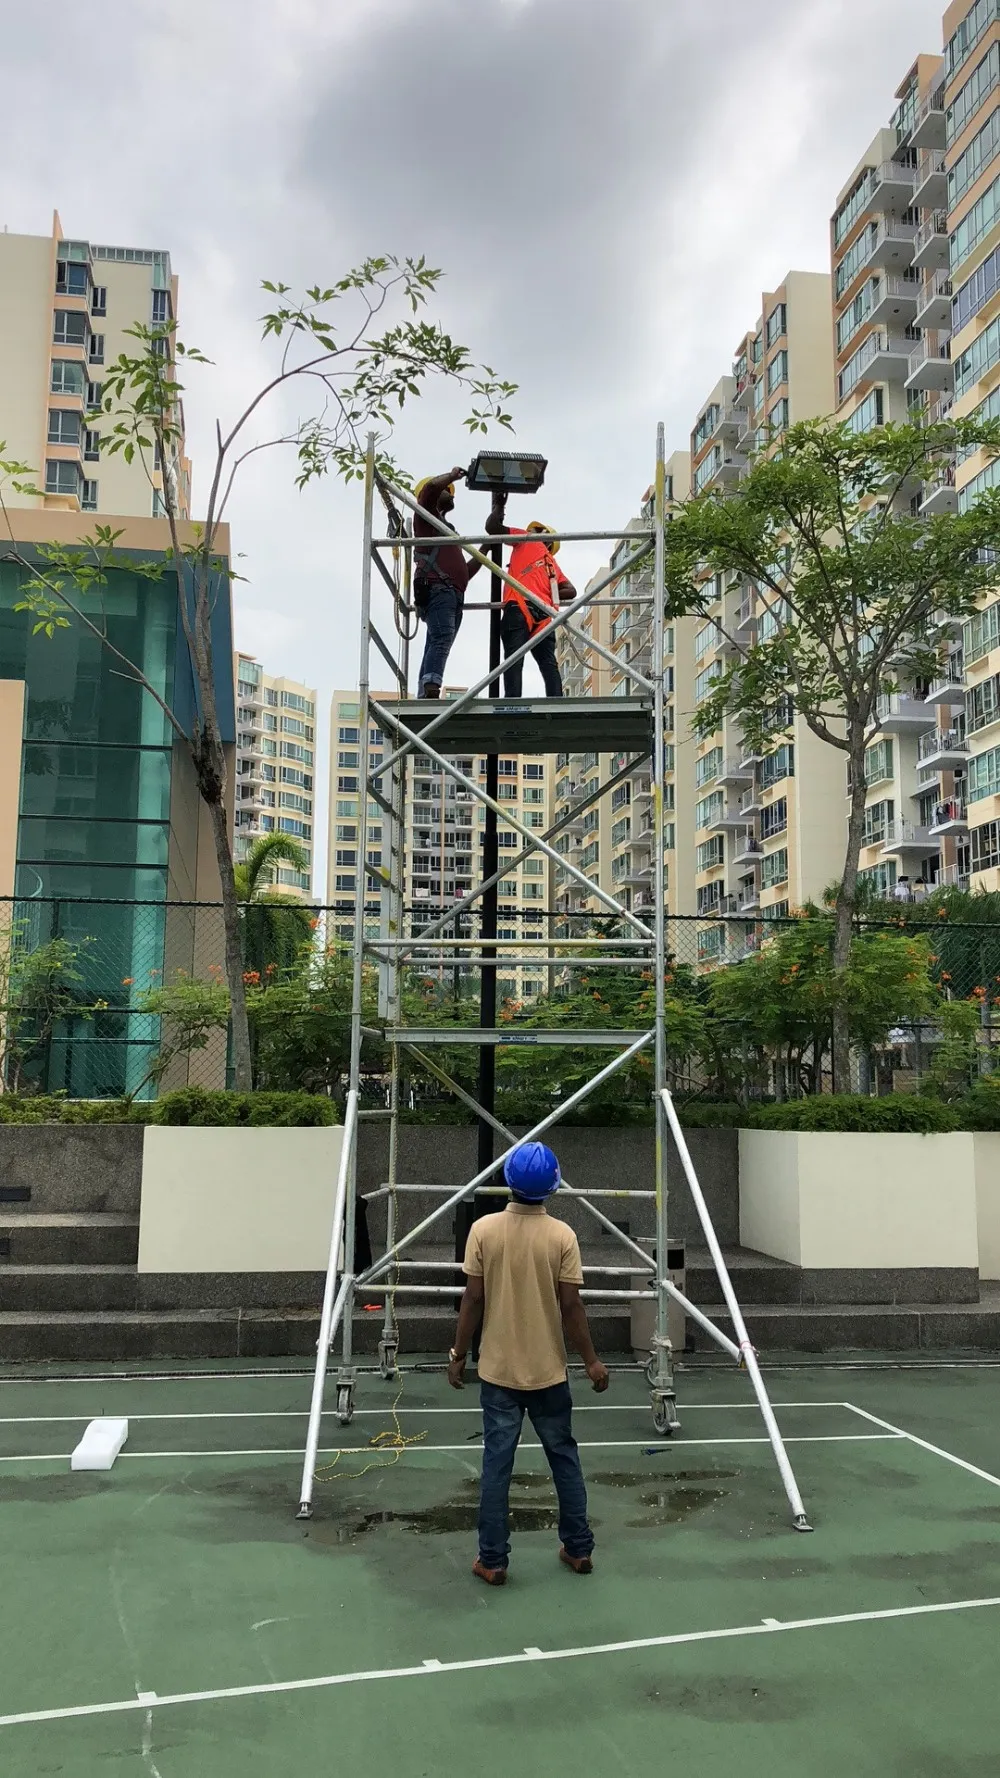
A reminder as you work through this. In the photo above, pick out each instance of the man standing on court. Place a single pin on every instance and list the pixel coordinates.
(441, 571)
(533, 564)
(524, 1277)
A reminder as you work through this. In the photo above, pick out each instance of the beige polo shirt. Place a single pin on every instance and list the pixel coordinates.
(522, 1256)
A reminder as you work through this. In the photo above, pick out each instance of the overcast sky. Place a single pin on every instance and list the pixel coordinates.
(608, 184)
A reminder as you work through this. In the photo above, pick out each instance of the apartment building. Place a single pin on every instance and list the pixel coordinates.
(443, 837)
(275, 768)
(65, 306)
(764, 840)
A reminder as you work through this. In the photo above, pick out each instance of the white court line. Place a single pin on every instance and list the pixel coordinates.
(935, 1450)
(611, 1407)
(610, 1444)
(710, 1368)
(433, 1669)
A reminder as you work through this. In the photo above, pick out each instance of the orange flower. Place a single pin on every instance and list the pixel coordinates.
(127, 981)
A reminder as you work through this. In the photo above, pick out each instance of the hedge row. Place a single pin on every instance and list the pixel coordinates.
(189, 1105)
(852, 1113)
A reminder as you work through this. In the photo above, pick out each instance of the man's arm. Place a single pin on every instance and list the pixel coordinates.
(567, 590)
(435, 483)
(577, 1330)
(470, 1314)
(495, 522)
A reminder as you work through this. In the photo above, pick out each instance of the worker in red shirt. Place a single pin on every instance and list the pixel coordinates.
(441, 571)
(534, 565)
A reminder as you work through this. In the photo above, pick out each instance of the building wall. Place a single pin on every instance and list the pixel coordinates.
(275, 768)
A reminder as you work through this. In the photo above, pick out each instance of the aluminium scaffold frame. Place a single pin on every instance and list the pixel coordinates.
(622, 719)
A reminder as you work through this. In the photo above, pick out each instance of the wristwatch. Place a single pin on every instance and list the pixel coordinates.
(456, 1357)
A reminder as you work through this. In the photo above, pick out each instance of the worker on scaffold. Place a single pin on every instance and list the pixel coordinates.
(532, 563)
(441, 572)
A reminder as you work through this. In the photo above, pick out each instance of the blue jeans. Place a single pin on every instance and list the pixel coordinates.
(442, 615)
(550, 1412)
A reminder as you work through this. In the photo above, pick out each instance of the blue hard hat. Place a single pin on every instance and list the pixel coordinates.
(532, 1170)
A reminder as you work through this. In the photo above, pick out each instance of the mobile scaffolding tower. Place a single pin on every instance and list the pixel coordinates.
(434, 732)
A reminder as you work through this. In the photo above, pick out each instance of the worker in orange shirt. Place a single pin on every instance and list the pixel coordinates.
(533, 564)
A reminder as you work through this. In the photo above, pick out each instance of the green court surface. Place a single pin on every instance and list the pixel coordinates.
(173, 1619)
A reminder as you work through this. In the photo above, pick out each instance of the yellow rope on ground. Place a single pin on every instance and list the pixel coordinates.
(395, 1441)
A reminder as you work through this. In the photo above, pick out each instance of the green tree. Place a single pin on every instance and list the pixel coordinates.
(40, 987)
(854, 585)
(340, 347)
(275, 927)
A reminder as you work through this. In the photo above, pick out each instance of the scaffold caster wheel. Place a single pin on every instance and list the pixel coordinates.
(345, 1404)
(387, 1350)
(664, 1417)
(651, 1372)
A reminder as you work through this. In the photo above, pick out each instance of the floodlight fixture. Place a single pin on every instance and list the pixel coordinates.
(506, 472)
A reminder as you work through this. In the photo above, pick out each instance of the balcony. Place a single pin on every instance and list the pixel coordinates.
(744, 619)
(744, 392)
(746, 438)
(898, 713)
(948, 688)
(934, 302)
(730, 819)
(735, 772)
(748, 899)
(950, 817)
(930, 246)
(728, 470)
(905, 836)
(893, 249)
(895, 301)
(931, 367)
(931, 189)
(940, 495)
(929, 130)
(747, 850)
(954, 876)
(893, 187)
(882, 358)
(942, 750)
(750, 801)
(729, 424)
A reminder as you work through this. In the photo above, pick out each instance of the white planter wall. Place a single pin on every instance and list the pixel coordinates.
(987, 1163)
(826, 1201)
(258, 1200)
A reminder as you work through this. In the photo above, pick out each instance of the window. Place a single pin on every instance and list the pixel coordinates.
(95, 394)
(534, 771)
(881, 878)
(349, 712)
(71, 279)
(300, 829)
(774, 868)
(507, 793)
(709, 809)
(969, 99)
(534, 818)
(985, 846)
(347, 830)
(621, 831)
(706, 639)
(96, 353)
(856, 256)
(99, 300)
(978, 358)
(88, 496)
(290, 725)
(347, 807)
(878, 762)
(777, 418)
(270, 697)
(849, 211)
(987, 478)
(160, 307)
(857, 313)
(292, 750)
(777, 766)
(507, 768)
(705, 427)
(533, 796)
(708, 767)
(777, 324)
(67, 378)
(348, 759)
(878, 819)
(705, 680)
(777, 371)
(64, 426)
(270, 722)
(290, 799)
(710, 853)
(291, 775)
(711, 944)
(708, 899)
(974, 226)
(981, 152)
(292, 701)
(982, 704)
(975, 24)
(69, 328)
(92, 445)
(346, 884)
(61, 478)
(868, 413)
(345, 783)
(981, 633)
(349, 736)
(774, 818)
(534, 867)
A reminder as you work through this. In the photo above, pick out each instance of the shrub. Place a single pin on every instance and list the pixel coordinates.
(850, 1112)
(979, 1109)
(200, 1107)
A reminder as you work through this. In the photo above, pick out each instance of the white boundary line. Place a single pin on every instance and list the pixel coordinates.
(432, 1668)
(631, 1444)
(705, 1367)
(611, 1407)
(935, 1450)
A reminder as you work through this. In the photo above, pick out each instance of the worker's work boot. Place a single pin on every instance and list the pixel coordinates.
(431, 691)
(579, 1564)
(494, 1577)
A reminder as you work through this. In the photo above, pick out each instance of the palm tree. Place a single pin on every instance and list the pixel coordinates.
(275, 928)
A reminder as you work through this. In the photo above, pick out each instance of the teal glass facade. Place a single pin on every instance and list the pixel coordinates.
(101, 826)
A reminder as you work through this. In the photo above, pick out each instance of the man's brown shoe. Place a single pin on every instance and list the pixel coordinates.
(579, 1564)
(494, 1577)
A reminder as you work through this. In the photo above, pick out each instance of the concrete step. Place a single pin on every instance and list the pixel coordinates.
(108, 1238)
(72, 1167)
(889, 1327)
(38, 1288)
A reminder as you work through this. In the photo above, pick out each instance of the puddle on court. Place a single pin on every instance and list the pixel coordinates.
(671, 1506)
(431, 1521)
(616, 1478)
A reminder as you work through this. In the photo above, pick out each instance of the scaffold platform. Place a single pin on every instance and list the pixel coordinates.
(529, 725)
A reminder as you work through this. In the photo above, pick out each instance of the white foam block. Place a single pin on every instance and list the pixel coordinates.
(100, 1444)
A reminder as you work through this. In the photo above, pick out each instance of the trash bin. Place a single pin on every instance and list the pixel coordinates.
(644, 1309)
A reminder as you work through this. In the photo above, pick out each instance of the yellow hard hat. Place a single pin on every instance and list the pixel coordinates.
(418, 492)
(553, 547)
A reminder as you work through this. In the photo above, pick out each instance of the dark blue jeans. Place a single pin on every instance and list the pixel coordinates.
(442, 614)
(550, 1412)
